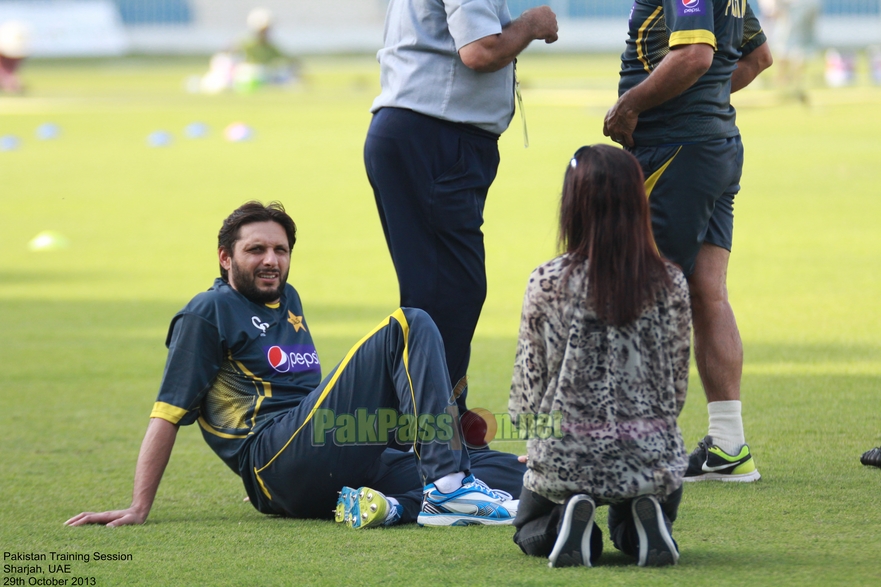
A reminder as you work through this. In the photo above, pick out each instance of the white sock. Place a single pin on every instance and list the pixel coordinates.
(392, 510)
(726, 425)
(450, 483)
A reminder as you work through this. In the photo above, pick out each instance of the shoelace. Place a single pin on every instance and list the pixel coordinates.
(497, 493)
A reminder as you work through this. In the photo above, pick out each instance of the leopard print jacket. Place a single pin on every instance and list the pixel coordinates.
(599, 403)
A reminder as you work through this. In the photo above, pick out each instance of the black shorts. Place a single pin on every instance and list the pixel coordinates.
(691, 189)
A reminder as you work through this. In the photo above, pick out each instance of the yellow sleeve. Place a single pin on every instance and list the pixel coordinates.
(692, 38)
(167, 412)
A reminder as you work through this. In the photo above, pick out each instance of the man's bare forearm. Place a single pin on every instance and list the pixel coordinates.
(152, 461)
(750, 66)
(495, 52)
(677, 72)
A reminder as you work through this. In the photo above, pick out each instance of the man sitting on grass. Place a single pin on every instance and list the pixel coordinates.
(242, 363)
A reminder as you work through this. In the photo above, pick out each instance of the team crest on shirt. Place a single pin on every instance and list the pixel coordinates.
(691, 7)
(292, 358)
(296, 321)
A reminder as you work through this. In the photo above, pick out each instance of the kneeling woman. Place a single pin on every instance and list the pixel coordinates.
(603, 352)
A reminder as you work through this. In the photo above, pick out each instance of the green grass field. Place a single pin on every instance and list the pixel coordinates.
(83, 328)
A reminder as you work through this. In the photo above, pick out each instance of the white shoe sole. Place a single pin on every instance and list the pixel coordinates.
(460, 520)
(745, 478)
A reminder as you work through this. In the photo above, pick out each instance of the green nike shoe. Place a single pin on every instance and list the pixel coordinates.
(708, 462)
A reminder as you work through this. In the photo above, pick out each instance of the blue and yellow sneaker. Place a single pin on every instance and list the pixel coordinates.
(472, 503)
(365, 508)
(708, 462)
(344, 505)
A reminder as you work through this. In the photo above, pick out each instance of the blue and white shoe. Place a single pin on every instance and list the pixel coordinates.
(366, 508)
(473, 503)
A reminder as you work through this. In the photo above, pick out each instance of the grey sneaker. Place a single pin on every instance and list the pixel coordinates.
(572, 548)
(656, 545)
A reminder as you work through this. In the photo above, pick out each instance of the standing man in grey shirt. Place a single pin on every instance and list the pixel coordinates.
(447, 74)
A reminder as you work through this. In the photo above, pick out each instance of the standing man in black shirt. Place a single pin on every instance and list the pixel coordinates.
(683, 60)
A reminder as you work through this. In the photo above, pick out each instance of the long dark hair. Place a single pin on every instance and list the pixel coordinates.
(604, 220)
(248, 213)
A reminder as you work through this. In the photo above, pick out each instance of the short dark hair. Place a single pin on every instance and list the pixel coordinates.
(605, 221)
(248, 213)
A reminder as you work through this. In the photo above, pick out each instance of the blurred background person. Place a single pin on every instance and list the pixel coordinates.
(14, 48)
(262, 62)
(257, 48)
(253, 63)
(792, 29)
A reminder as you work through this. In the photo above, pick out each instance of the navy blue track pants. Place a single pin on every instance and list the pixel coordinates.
(334, 438)
(430, 179)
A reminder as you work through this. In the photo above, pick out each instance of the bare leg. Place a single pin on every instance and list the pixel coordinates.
(718, 349)
(718, 352)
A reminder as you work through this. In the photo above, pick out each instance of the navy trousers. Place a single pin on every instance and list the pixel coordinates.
(393, 377)
(430, 179)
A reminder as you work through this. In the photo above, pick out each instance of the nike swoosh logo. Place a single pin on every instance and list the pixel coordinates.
(710, 469)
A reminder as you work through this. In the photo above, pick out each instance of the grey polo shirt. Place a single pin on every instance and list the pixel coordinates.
(420, 68)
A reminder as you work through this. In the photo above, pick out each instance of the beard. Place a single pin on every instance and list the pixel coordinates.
(246, 284)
